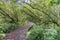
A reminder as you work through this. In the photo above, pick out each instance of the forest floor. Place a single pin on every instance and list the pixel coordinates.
(18, 34)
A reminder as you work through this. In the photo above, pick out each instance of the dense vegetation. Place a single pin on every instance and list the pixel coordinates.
(44, 13)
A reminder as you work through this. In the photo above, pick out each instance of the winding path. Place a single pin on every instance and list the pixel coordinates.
(19, 34)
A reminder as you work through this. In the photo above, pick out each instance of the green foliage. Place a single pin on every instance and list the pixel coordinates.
(52, 2)
(2, 35)
(11, 12)
(44, 32)
(40, 12)
(10, 17)
(7, 27)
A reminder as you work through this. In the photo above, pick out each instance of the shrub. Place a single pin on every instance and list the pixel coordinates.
(1, 36)
(7, 27)
(44, 32)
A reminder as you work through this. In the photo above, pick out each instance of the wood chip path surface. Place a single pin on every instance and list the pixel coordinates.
(19, 34)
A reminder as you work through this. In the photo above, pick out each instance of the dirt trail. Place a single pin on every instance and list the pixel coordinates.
(19, 34)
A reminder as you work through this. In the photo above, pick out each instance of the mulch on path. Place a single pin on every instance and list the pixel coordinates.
(19, 34)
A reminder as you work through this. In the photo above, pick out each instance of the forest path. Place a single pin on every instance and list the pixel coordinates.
(19, 34)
